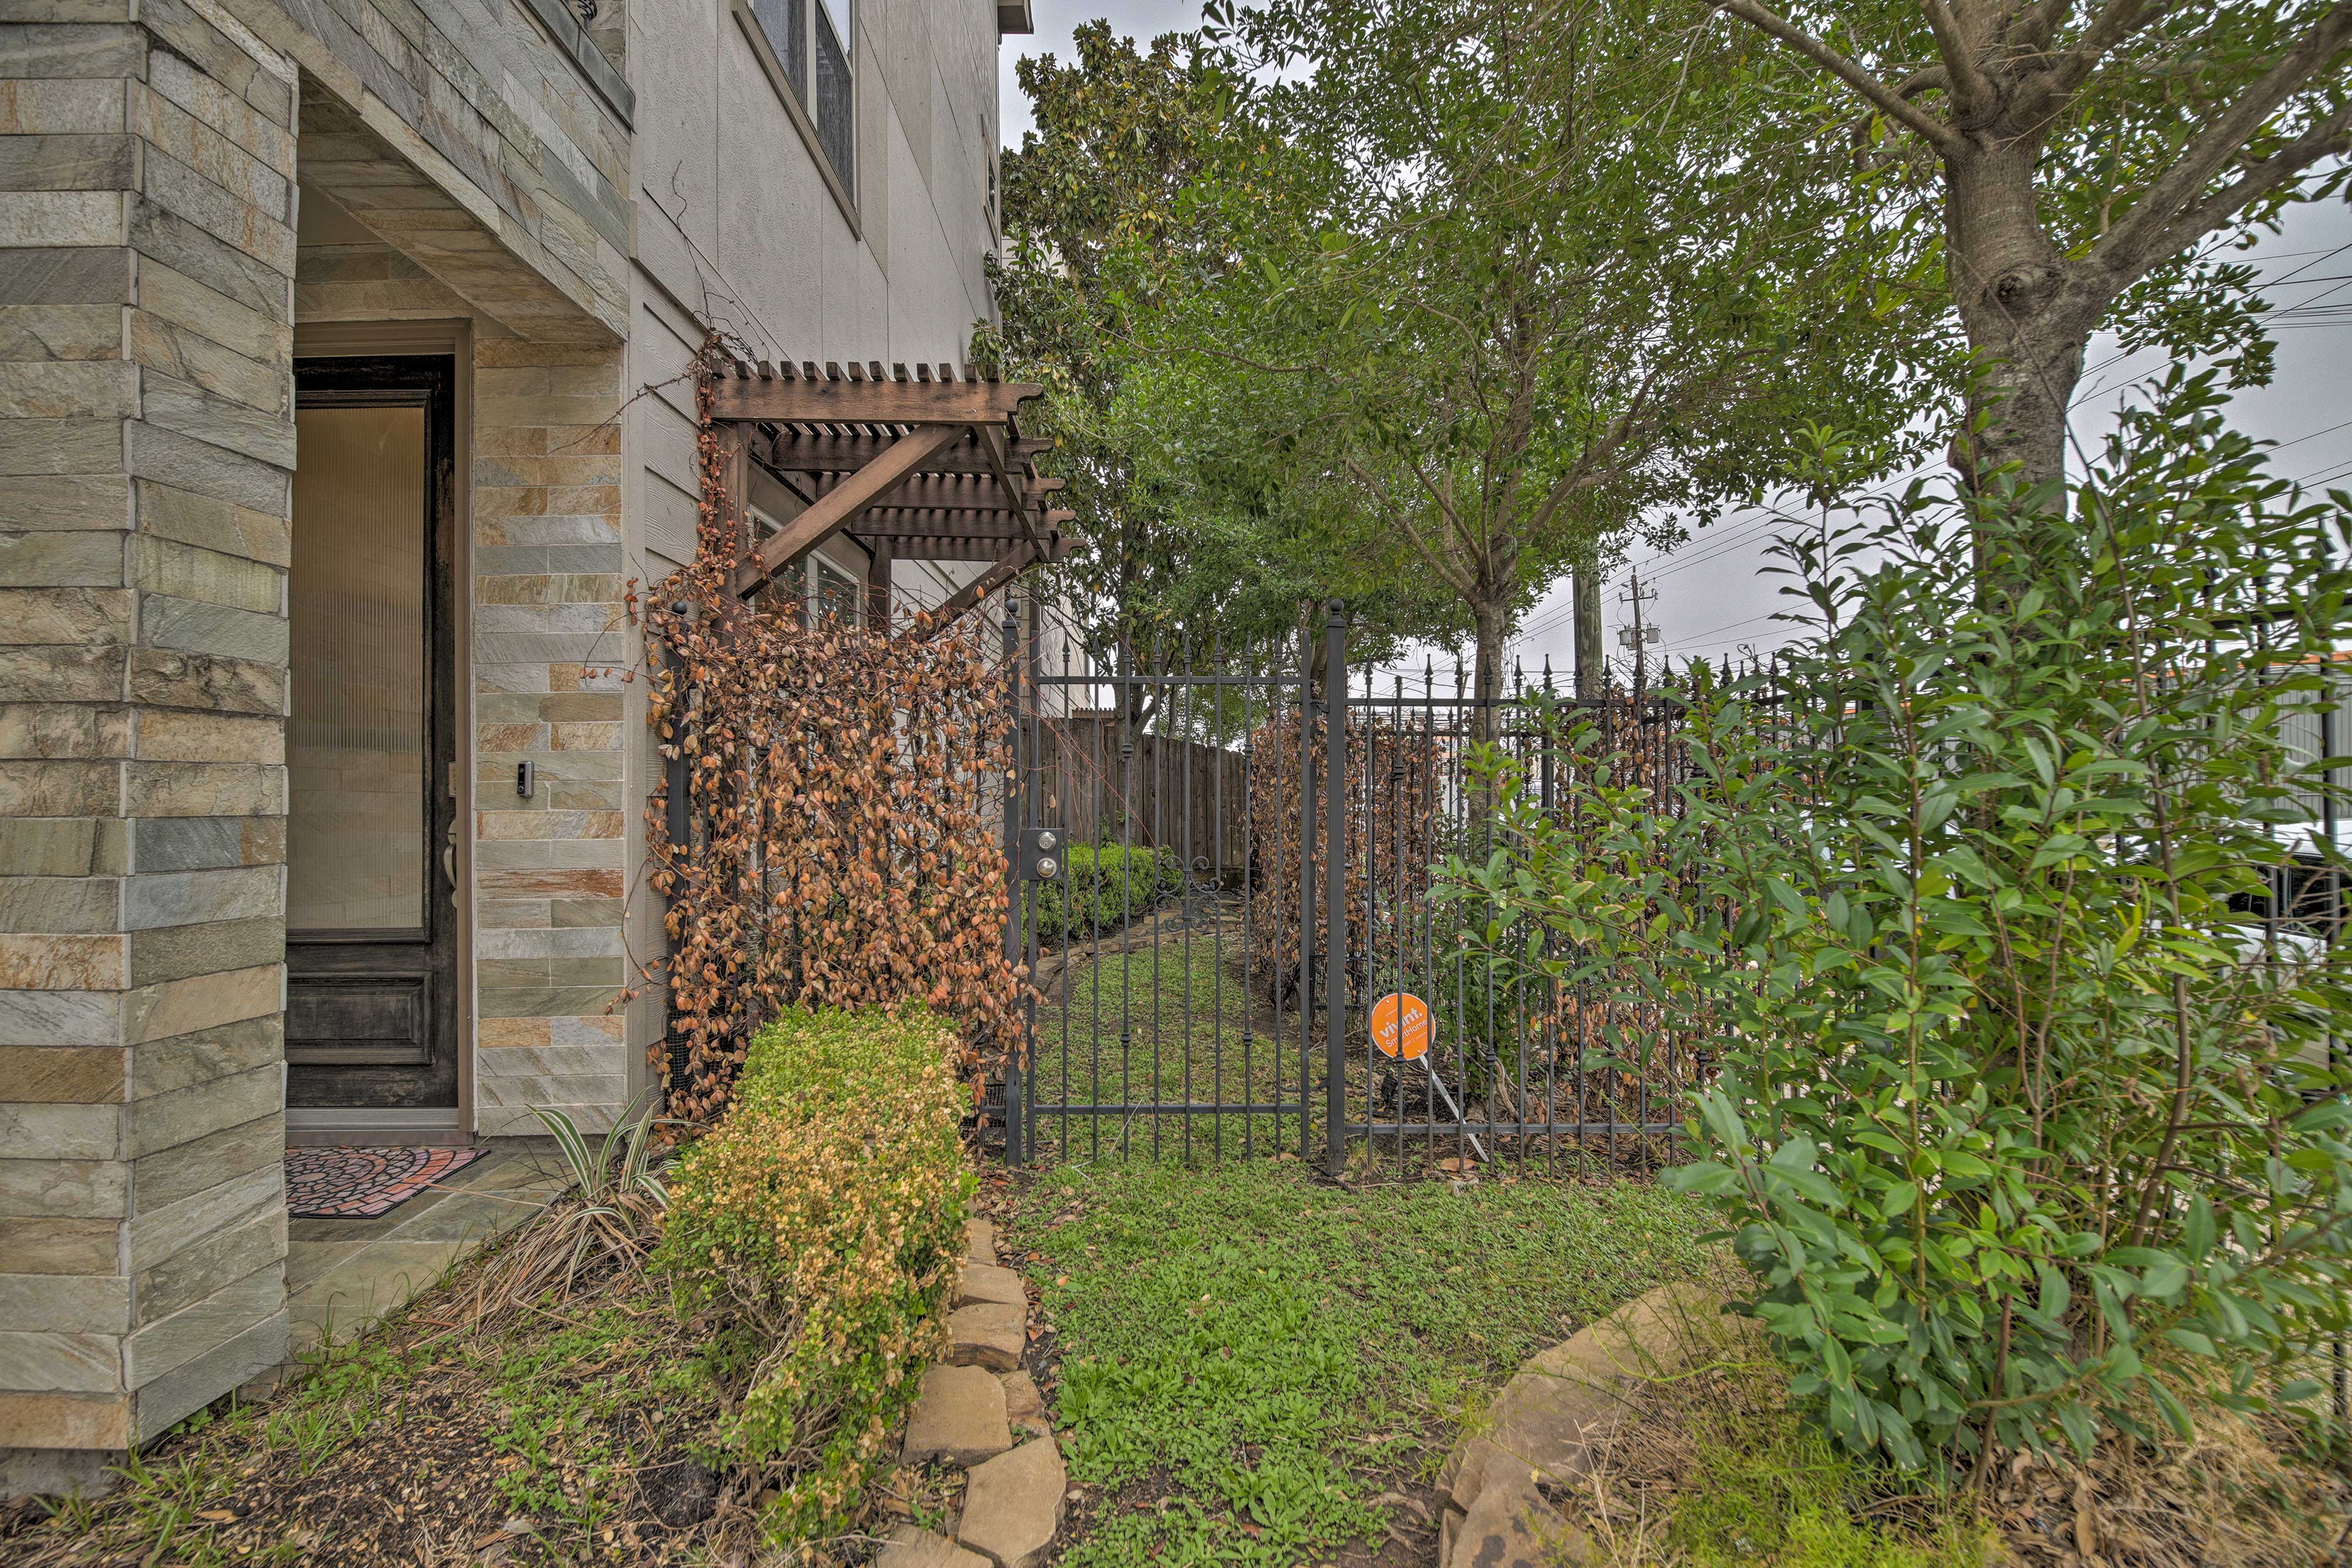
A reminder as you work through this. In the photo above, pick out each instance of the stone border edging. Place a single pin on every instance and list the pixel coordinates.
(965, 1416)
(1541, 1431)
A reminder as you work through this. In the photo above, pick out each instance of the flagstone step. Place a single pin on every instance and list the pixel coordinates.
(1013, 1505)
(991, 1335)
(909, 1547)
(987, 1282)
(959, 1418)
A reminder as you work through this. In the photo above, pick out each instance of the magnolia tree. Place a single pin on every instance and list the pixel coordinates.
(2025, 1120)
(2083, 165)
(1560, 273)
(1422, 305)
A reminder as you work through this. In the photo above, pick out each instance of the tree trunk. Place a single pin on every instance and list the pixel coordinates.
(2024, 312)
(1492, 622)
(1591, 673)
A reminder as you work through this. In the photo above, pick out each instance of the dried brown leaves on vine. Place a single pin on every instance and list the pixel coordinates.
(843, 845)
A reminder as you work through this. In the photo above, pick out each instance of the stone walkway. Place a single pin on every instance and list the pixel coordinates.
(980, 1413)
(344, 1274)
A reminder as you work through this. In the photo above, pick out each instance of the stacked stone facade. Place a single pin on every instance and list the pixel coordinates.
(146, 310)
(187, 187)
(551, 642)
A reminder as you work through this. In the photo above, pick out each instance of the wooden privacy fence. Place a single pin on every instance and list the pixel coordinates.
(1108, 783)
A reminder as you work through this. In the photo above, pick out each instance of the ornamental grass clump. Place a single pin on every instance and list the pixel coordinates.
(814, 1236)
(2002, 906)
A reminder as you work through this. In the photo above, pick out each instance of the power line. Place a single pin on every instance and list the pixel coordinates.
(1699, 640)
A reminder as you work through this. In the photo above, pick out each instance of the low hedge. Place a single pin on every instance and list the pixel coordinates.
(814, 1236)
(1104, 886)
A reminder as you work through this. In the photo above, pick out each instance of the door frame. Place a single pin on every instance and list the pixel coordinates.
(453, 338)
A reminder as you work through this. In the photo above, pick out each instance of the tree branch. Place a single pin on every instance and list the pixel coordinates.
(2332, 136)
(1447, 570)
(2036, 22)
(1589, 463)
(2135, 244)
(2116, 21)
(2044, 88)
(1938, 134)
(1923, 79)
(1969, 91)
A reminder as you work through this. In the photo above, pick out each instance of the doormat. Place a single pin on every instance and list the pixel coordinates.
(349, 1181)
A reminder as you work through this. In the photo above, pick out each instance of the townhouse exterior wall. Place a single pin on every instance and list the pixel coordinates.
(195, 194)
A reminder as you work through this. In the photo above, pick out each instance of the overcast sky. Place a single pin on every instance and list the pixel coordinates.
(1712, 595)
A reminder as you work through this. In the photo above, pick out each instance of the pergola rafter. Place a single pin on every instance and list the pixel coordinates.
(923, 464)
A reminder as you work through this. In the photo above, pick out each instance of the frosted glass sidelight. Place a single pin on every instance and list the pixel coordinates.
(356, 739)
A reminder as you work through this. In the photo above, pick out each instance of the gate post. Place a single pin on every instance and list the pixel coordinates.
(1017, 1054)
(1335, 895)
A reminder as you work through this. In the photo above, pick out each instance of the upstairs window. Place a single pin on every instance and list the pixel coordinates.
(803, 45)
(836, 114)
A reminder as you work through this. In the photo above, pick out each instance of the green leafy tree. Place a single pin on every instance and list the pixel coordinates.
(1550, 271)
(2092, 164)
(2025, 1123)
(1126, 191)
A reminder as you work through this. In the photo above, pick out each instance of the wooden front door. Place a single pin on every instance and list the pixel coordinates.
(371, 900)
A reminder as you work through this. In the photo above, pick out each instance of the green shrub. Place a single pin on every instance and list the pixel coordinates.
(1103, 886)
(815, 1233)
(2022, 1124)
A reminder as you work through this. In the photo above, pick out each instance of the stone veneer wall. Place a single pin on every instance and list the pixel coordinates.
(550, 641)
(146, 199)
(549, 637)
(147, 208)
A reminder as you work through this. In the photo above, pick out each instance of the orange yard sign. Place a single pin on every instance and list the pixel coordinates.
(1401, 1026)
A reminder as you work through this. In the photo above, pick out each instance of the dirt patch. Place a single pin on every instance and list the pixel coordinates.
(2231, 1498)
(428, 1446)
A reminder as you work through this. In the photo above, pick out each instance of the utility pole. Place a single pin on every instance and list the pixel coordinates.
(1584, 589)
(1641, 634)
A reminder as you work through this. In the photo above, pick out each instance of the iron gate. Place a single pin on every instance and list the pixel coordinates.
(1230, 905)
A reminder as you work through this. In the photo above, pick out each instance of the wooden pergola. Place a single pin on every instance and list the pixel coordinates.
(927, 465)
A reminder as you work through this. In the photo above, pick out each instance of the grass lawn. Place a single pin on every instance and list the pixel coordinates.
(1168, 1023)
(1259, 1368)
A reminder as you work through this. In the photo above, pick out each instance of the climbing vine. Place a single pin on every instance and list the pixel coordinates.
(840, 842)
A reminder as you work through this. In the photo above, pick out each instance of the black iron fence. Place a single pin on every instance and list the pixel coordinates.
(1240, 953)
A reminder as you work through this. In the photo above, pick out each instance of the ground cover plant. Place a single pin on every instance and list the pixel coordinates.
(1713, 1465)
(2027, 1127)
(1258, 1367)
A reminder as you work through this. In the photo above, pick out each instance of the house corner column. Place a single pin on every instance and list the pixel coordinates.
(146, 441)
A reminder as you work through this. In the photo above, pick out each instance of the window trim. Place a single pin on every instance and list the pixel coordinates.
(765, 53)
(818, 566)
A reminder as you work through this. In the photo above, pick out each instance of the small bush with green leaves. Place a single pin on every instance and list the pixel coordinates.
(1102, 886)
(2021, 1115)
(815, 1232)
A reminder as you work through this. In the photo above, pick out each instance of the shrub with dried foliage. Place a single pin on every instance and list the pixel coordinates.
(1401, 815)
(812, 1236)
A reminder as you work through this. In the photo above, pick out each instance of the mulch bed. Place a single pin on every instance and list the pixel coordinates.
(416, 1464)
